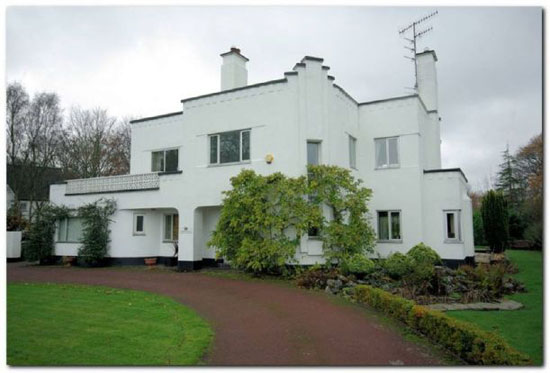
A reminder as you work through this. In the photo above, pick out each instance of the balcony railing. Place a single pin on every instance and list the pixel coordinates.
(112, 184)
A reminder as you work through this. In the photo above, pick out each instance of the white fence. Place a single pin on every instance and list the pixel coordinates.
(13, 245)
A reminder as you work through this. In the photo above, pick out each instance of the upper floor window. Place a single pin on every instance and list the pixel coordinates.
(70, 230)
(164, 160)
(229, 147)
(389, 225)
(352, 152)
(387, 152)
(452, 226)
(313, 152)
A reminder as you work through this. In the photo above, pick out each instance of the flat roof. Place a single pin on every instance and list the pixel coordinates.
(156, 117)
(236, 89)
(447, 170)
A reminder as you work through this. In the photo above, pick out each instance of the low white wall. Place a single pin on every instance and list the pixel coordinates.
(13, 244)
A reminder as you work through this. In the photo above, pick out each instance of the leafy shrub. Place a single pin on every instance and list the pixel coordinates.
(316, 277)
(95, 233)
(466, 340)
(479, 234)
(40, 243)
(398, 265)
(423, 254)
(357, 264)
(261, 221)
(15, 220)
(349, 232)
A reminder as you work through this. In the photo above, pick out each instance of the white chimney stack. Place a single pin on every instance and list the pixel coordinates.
(427, 78)
(233, 72)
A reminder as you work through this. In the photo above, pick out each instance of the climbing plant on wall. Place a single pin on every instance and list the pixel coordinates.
(40, 242)
(95, 233)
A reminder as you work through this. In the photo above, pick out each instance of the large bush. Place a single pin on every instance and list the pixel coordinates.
(494, 211)
(479, 233)
(261, 221)
(357, 264)
(398, 265)
(423, 254)
(40, 243)
(348, 232)
(95, 235)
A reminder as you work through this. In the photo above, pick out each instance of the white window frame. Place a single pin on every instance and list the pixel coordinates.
(164, 157)
(457, 223)
(388, 164)
(241, 160)
(352, 155)
(135, 231)
(389, 240)
(171, 239)
(319, 144)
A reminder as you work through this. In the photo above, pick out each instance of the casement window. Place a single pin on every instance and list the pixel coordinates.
(387, 152)
(229, 147)
(164, 160)
(389, 225)
(452, 226)
(313, 158)
(352, 152)
(139, 224)
(171, 227)
(313, 152)
(70, 230)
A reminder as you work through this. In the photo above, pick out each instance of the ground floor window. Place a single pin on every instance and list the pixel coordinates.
(171, 227)
(389, 225)
(70, 230)
(452, 225)
(139, 224)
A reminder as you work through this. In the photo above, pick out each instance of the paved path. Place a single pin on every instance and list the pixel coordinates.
(256, 322)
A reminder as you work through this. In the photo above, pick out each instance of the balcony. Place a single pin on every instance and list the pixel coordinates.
(113, 184)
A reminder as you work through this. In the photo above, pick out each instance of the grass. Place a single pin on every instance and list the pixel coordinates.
(522, 328)
(53, 325)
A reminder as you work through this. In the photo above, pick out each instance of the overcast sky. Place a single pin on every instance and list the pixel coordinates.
(141, 61)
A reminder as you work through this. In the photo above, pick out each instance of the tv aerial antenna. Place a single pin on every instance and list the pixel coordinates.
(411, 33)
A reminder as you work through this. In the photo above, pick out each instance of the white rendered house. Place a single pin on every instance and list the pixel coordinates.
(182, 161)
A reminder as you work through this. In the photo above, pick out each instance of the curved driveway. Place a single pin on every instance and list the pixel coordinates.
(257, 322)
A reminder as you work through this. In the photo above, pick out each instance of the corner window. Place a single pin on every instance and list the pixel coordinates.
(171, 227)
(387, 152)
(452, 226)
(352, 152)
(389, 225)
(70, 230)
(229, 147)
(139, 224)
(164, 160)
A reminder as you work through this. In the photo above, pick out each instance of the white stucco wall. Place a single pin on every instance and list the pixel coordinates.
(282, 116)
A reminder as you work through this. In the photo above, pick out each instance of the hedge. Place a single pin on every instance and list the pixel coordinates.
(464, 339)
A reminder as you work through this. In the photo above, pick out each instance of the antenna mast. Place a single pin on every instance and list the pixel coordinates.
(415, 36)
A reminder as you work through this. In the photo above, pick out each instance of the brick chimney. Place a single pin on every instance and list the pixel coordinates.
(233, 71)
(427, 78)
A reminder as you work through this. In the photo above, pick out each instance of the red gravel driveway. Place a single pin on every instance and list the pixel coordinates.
(258, 322)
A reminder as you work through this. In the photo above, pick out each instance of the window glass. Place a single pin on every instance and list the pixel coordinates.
(313, 153)
(168, 227)
(352, 151)
(383, 231)
(157, 164)
(175, 227)
(392, 151)
(214, 149)
(381, 158)
(395, 226)
(171, 160)
(62, 233)
(245, 146)
(139, 223)
(230, 147)
(74, 229)
(451, 225)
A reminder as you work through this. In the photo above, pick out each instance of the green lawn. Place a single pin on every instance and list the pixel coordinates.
(90, 325)
(523, 328)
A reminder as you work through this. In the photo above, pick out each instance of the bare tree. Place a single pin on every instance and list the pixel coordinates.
(17, 105)
(87, 149)
(41, 136)
(120, 143)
